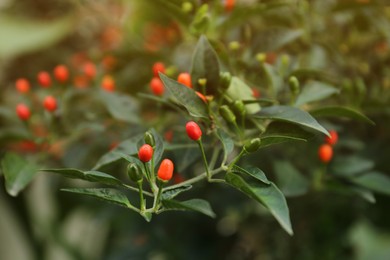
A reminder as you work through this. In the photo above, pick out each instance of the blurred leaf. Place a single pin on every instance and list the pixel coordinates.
(110, 195)
(364, 193)
(197, 205)
(274, 38)
(253, 172)
(268, 195)
(128, 146)
(289, 179)
(92, 176)
(369, 243)
(171, 193)
(292, 115)
(121, 106)
(18, 173)
(205, 64)
(273, 78)
(20, 35)
(350, 166)
(171, 10)
(238, 90)
(227, 142)
(375, 181)
(280, 132)
(314, 91)
(337, 111)
(186, 97)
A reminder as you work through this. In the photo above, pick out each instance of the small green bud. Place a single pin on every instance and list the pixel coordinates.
(225, 78)
(149, 139)
(285, 60)
(234, 45)
(202, 81)
(134, 172)
(239, 107)
(227, 114)
(187, 7)
(294, 85)
(261, 57)
(253, 145)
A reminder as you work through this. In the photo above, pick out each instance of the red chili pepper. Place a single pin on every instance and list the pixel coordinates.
(61, 73)
(44, 79)
(108, 83)
(325, 153)
(89, 70)
(157, 86)
(229, 5)
(23, 112)
(332, 140)
(158, 67)
(22, 85)
(193, 131)
(165, 171)
(201, 96)
(185, 79)
(50, 103)
(145, 153)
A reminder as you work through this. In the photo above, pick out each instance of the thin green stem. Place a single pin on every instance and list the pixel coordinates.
(141, 196)
(157, 198)
(136, 189)
(242, 153)
(204, 159)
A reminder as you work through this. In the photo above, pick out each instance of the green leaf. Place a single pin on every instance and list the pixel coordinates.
(268, 195)
(205, 64)
(350, 166)
(364, 193)
(128, 146)
(238, 90)
(197, 205)
(280, 132)
(375, 181)
(110, 195)
(92, 176)
(292, 115)
(121, 106)
(186, 97)
(289, 179)
(171, 193)
(337, 111)
(22, 35)
(227, 142)
(253, 172)
(274, 38)
(314, 91)
(18, 173)
(273, 78)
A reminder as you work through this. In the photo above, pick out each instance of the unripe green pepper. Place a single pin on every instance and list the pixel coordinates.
(239, 107)
(227, 114)
(134, 172)
(294, 85)
(149, 139)
(225, 78)
(253, 145)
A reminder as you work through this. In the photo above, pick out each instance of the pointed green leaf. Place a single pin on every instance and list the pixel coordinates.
(227, 142)
(268, 195)
(280, 132)
(253, 172)
(314, 91)
(197, 205)
(375, 181)
(171, 193)
(18, 173)
(186, 97)
(337, 111)
(238, 90)
(292, 115)
(364, 193)
(289, 179)
(121, 106)
(350, 166)
(205, 64)
(128, 146)
(110, 195)
(92, 176)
